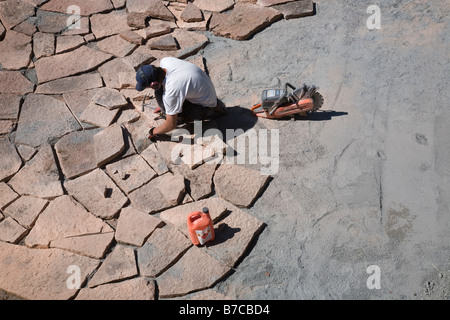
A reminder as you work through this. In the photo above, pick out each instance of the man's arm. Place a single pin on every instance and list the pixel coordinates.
(168, 125)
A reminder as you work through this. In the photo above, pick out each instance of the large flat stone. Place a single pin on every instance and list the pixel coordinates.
(10, 161)
(141, 56)
(109, 24)
(62, 65)
(191, 13)
(76, 153)
(116, 46)
(98, 116)
(26, 210)
(155, 30)
(233, 236)
(45, 269)
(133, 289)
(14, 82)
(296, 9)
(118, 265)
(158, 10)
(15, 50)
(154, 159)
(200, 180)
(135, 226)
(238, 184)
(37, 124)
(109, 98)
(245, 20)
(89, 245)
(13, 12)
(63, 218)
(139, 133)
(109, 144)
(196, 270)
(190, 42)
(78, 101)
(166, 42)
(67, 43)
(11, 231)
(172, 187)
(86, 7)
(7, 195)
(178, 216)
(70, 84)
(111, 70)
(130, 173)
(39, 177)
(214, 6)
(55, 22)
(163, 248)
(9, 106)
(97, 193)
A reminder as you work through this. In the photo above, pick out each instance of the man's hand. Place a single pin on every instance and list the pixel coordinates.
(168, 125)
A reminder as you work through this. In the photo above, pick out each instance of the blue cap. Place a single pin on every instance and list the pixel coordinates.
(144, 76)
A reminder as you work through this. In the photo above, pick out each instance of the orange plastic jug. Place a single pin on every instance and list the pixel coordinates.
(200, 226)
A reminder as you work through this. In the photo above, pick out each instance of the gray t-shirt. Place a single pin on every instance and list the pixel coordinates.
(186, 81)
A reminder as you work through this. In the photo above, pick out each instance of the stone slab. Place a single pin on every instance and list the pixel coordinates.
(139, 133)
(86, 8)
(15, 82)
(71, 84)
(9, 106)
(296, 9)
(245, 20)
(62, 65)
(135, 226)
(130, 173)
(97, 193)
(132, 37)
(13, 12)
(109, 98)
(78, 101)
(162, 249)
(141, 56)
(39, 177)
(11, 231)
(155, 30)
(118, 265)
(137, 19)
(63, 218)
(108, 144)
(190, 42)
(191, 13)
(158, 10)
(6, 127)
(7, 195)
(89, 245)
(172, 187)
(15, 50)
(214, 6)
(45, 269)
(166, 42)
(109, 24)
(37, 123)
(238, 184)
(76, 153)
(26, 153)
(133, 289)
(110, 72)
(116, 46)
(98, 116)
(67, 43)
(182, 278)
(269, 3)
(10, 161)
(26, 210)
(154, 159)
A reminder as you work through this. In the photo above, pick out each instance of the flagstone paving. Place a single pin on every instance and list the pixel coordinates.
(81, 185)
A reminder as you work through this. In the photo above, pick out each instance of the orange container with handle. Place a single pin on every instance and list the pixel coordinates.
(200, 226)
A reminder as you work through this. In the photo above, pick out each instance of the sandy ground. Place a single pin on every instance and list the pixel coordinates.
(367, 181)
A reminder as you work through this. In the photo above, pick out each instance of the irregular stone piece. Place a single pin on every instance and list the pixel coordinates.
(135, 226)
(238, 184)
(98, 116)
(26, 152)
(141, 56)
(195, 155)
(296, 9)
(269, 3)
(140, 6)
(191, 13)
(63, 218)
(79, 27)
(137, 19)
(39, 177)
(86, 7)
(26, 27)
(190, 42)
(172, 188)
(177, 216)
(233, 235)
(66, 64)
(45, 269)
(155, 30)
(109, 98)
(163, 248)
(99, 205)
(10, 161)
(7, 195)
(15, 82)
(245, 20)
(43, 44)
(132, 37)
(76, 153)
(154, 159)
(214, 6)
(108, 144)
(133, 289)
(15, 50)
(182, 278)
(70, 84)
(200, 180)
(6, 126)
(26, 210)
(38, 124)
(116, 45)
(130, 173)
(66, 43)
(118, 265)
(108, 24)
(77, 102)
(157, 9)
(13, 12)
(11, 231)
(110, 72)
(9, 106)
(163, 43)
(90, 245)
(139, 133)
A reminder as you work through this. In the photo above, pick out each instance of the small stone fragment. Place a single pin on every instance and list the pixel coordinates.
(11, 231)
(157, 9)
(269, 3)
(137, 19)
(156, 30)
(132, 37)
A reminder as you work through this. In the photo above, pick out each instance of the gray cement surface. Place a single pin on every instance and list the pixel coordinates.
(364, 182)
